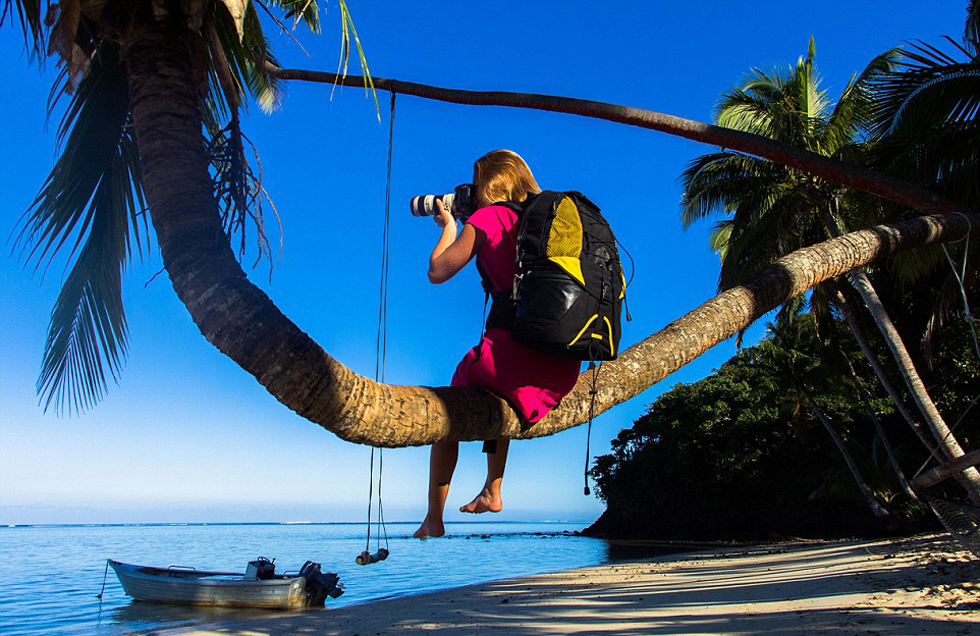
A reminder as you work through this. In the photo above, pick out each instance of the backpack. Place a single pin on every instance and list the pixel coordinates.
(567, 296)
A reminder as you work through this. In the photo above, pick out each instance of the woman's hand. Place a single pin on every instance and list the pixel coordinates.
(452, 252)
(442, 217)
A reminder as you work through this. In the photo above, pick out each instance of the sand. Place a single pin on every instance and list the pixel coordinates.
(923, 585)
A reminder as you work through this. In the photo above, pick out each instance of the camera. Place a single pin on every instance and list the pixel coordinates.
(459, 203)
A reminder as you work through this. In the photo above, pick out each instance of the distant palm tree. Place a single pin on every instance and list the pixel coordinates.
(798, 369)
(773, 210)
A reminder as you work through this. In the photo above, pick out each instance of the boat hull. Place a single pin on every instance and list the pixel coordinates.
(215, 589)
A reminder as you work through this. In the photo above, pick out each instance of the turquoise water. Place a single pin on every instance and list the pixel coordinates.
(52, 574)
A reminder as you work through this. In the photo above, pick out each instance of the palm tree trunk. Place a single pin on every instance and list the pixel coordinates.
(888, 187)
(970, 478)
(880, 430)
(876, 508)
(939, 473)
(859, 280)
(244, 324)
(886, 383)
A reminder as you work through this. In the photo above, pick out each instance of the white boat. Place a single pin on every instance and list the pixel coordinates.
(259, 587)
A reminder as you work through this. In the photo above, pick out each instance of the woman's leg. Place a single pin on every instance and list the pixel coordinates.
(489, 499)
(442, 463)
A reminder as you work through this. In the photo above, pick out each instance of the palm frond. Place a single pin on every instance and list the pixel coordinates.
(265, 88)
(927, 120)
(713, 183)
(305, 11)
(720, 235)
(927, 88)
(348, 30)
(746, 108)
(971, 34)
(92, 201)
(29, 16)
(785, 104)
(238, 61)
(854, 111)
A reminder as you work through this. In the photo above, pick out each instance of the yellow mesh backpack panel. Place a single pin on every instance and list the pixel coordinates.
(565, 239)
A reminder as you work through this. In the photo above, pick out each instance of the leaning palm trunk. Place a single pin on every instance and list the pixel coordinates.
(244, 324)
(886, 383)
(947, 444)
(876, 508)
(880, 430)
(970, 478)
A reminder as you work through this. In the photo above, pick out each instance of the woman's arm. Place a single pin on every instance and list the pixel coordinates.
(453, 251)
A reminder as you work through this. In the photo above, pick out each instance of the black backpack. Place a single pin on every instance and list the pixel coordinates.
(567, 296)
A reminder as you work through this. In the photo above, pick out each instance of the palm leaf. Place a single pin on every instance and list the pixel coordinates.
(28, 14)
(713, 183)
(853, 113)
(305, 11)
(347, 30)
(91, 201)
(972, 32)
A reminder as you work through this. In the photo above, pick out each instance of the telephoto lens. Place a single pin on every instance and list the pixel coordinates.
(458, 203)
(426, 205)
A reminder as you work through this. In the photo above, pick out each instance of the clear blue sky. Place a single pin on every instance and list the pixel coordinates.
(188, 436)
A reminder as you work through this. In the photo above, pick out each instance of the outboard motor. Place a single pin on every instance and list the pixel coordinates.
(319, 585)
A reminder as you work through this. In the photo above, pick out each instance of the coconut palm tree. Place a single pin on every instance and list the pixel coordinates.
(926, 125)
(93, 200)
(773, 209)
(165, 58)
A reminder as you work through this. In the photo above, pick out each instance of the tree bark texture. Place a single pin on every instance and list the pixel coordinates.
(933, 419)
(244, 324)
(939, 473)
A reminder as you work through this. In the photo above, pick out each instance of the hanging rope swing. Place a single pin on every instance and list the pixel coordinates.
(380, 554)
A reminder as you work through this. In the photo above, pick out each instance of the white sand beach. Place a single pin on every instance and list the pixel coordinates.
(924, 585)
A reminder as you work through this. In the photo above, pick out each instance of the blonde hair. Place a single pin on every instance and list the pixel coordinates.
(502, 175)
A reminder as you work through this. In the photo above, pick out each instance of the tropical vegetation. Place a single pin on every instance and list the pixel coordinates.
(743, 454)
(913, 113)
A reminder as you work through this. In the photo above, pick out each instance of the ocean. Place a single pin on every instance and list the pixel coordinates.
(52, 575)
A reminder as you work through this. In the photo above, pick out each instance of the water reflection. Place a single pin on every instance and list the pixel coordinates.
(64, 599)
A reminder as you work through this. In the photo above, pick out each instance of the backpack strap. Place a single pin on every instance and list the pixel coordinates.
(502, 308)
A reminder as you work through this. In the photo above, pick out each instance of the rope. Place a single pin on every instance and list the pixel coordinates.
(971, 320)
(370, 499)
(381, 510)
(588, 435)
(382, 338)
(104, 575)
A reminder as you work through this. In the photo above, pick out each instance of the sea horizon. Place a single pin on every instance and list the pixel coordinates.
(282, 523)
(66, 564)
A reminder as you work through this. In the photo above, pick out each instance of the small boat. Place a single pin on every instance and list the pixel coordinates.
(259, 587)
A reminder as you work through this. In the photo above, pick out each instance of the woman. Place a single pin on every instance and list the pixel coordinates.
(533, 382)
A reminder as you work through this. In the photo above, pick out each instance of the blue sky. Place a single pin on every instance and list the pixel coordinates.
(188, 436)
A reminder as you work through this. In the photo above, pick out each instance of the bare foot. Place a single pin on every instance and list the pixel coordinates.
(486, 501)
(430, 528)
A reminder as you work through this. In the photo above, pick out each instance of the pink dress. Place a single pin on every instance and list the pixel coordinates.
(533, 382)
